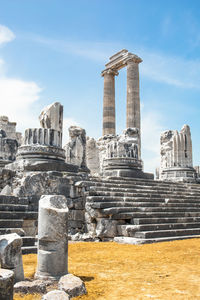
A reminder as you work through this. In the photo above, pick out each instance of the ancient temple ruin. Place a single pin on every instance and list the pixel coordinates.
(108, 194)
(120, 155)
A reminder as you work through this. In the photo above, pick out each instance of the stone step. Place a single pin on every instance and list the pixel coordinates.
(147, 210)
(13, 207)
(166, 233)
(110, 186)
(108, 204)
(131, 215)
(151, 182)
(163, 220)
(140, 198)
(134, 192)
(156, 227)
(138, 241)
(13, 200)
(132, 181)
(139, 182)
(18, 215)
(28, 241)
(29, 250)
(19, 231)
(11, 223)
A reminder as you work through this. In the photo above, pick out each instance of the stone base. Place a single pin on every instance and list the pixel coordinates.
(179, 174)
(41, 158)
(125, 167)
(46, 277)
(42, 165)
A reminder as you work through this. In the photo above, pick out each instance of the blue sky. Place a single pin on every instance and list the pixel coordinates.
(55, 51)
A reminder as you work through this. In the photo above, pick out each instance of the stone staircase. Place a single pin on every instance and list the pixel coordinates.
(14, 212)
(142, 210)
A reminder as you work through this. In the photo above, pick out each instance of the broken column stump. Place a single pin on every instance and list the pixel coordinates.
(11, 254)
(52, 237)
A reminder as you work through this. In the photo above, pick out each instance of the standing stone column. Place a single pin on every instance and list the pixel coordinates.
(52, 237)
(133, 93)
(109, 101)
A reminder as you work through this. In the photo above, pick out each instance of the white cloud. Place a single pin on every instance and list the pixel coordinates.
(6, 35)
(176, 71)
(17, 96)
(95, 51)
(151, 129)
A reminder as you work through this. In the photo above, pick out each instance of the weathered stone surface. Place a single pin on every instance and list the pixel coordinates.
(109, 101)
(43, 136)
(52, 237)
(6, 284)
(30, 227)
(127, 230)
(106, 228)
(76, 147)
(52, 117)
(116, 152)
(125, 145)
(77, 215)
(7, 190)
(9, 141)
(56, 295)
(10, 129)
(133, 93)
(31, 287)
(92, 156)
(72, 285)
(40, 183)
(176, 155)
(11, 254)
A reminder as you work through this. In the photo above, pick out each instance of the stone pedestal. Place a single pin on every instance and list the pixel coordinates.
(52, 237)
(183, 174)
(6, 284)
(176, 156)
(123, 156)
(109, 101)
(124, 167)
(42, 151)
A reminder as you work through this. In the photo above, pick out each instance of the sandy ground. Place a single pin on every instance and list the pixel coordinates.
(169, 270)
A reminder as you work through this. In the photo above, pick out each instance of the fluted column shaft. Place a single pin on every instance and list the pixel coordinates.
(133, 95)
(109, 102)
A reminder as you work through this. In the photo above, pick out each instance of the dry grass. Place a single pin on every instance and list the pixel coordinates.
(111, 271)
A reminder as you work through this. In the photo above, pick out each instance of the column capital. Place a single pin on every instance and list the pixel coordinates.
(133, 58)
(109, 72)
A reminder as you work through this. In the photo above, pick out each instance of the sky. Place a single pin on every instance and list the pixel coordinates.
(55, 50)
